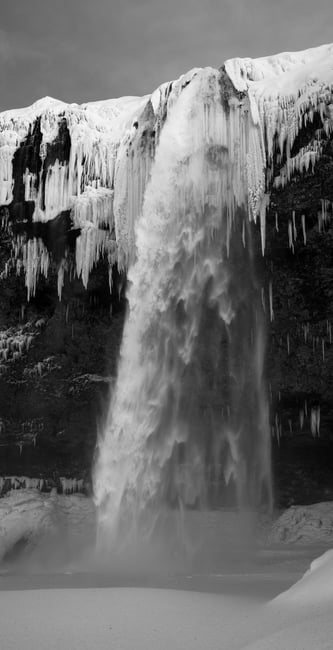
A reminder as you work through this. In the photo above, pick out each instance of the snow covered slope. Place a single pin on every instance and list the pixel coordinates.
(29, 518)
(93, 160)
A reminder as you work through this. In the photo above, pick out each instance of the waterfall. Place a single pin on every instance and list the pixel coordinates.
(189, 409)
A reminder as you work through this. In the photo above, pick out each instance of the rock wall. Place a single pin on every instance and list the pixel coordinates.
(61, 324)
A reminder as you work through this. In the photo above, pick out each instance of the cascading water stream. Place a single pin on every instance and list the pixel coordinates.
(189, 408)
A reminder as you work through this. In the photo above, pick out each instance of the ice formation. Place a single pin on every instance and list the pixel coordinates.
(167, 186)
(212, 174)
(111, 144)
(187, 238)
(14, 342)
(65, 485)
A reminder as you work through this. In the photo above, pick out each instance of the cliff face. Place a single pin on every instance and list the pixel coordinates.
(72, 181)
(59, 362)
(299, 351)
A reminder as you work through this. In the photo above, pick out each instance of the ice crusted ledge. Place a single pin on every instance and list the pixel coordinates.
(63, 484)
(102, 179)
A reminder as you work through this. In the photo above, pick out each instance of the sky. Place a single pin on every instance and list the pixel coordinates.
(84, 50)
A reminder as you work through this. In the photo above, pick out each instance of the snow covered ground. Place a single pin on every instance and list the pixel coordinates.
(53, 595)
(135, 618)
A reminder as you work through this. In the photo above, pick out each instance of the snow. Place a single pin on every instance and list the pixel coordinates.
(71, 602)
(283, 89)
(304, 524)
(102, 184)
(111, 153)
(123, 619)
(147, 618)
(31, 517)
(281, 74)
(83, 185)
(316, 586)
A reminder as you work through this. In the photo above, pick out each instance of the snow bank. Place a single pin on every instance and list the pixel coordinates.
(30, 517)
(316, 586)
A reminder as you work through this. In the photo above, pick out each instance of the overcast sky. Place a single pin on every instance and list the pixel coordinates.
(80, 50)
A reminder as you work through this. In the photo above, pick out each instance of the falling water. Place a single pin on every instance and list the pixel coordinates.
(188, 417)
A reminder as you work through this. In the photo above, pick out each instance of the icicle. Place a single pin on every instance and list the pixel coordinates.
(303, 229)
(271, 311)
(263, 209)
(290, 236)
(288, 344)
(318, 421)
(61, 277)
(320, 221)
(301, 419)
(306, 330)
(294, 225)
(276, 222)
(278, 429)
(324, 210)
(315, 421)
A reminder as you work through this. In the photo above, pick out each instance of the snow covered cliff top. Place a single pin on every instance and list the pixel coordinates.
(283, 75)
(112, 145)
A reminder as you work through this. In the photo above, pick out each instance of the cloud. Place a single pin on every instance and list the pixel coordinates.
(20, 65)
(5, 48)
(15, 47)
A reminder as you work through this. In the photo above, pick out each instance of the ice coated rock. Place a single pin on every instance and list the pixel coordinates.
(85, 171)
(312, 523)
(94, 159)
